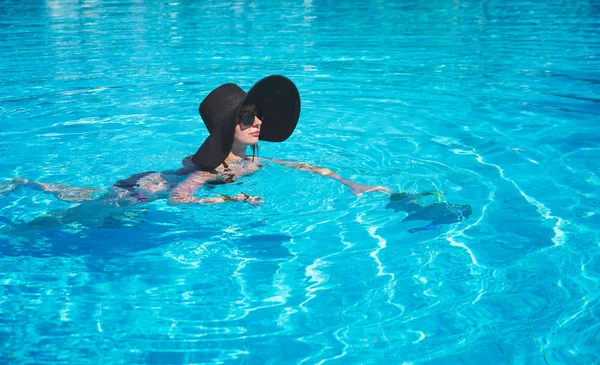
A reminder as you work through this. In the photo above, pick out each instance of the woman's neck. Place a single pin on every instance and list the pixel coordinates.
(237, 153)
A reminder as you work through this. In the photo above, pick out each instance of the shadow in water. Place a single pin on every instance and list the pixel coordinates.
(436, 213)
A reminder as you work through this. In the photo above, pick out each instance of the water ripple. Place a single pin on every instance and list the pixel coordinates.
(492, 103)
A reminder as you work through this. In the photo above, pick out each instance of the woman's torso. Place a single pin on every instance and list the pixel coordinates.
(152, 185)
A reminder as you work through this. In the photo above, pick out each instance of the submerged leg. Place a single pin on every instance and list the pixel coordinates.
(114, 209)
(28, 229)
(61, 191)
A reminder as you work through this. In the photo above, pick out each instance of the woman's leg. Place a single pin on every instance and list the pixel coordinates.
(61, 191)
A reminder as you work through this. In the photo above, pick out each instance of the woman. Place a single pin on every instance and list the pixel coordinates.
(235, 121)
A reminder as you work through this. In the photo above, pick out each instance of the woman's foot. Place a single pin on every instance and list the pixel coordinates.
(8, 187)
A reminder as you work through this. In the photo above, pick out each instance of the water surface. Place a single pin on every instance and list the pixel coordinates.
(494, 103)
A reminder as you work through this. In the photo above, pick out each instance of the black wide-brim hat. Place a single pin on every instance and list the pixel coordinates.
(275, 96)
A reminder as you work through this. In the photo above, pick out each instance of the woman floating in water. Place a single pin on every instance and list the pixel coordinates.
(235, 121)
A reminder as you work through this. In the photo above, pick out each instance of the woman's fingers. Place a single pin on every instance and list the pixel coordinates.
(254, 200)
(360, 189)
(382, 189)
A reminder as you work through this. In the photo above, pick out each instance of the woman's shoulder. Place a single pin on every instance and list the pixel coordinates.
(188, 168)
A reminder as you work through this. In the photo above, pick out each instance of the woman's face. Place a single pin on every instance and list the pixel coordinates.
(247, 128)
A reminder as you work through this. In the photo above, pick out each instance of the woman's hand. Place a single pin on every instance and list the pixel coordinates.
(359, 189)
(254, 200)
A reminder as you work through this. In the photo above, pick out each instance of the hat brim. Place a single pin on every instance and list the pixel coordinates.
(215, 149)
(278, 99)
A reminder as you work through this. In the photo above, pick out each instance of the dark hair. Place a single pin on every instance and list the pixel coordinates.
(254, 151)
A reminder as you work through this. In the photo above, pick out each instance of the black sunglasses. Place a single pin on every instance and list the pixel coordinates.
(247, 118)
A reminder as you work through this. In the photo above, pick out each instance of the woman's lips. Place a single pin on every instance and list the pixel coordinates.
(255, 134)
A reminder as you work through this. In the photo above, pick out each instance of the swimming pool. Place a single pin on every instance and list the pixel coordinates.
(494, 103)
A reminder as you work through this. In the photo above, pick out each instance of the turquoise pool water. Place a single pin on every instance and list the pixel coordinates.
(495, 103)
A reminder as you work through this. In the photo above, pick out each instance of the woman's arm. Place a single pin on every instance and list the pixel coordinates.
(184, 192)
(357, 189)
